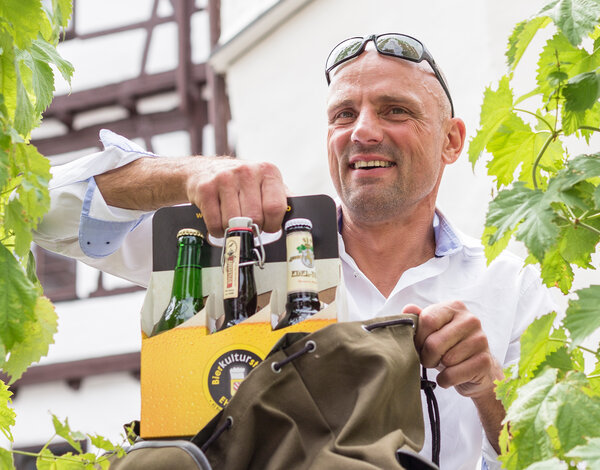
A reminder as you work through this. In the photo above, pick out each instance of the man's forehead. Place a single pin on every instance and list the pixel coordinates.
(371, 62)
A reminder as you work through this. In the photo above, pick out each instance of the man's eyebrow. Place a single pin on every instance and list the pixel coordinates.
(340, 104)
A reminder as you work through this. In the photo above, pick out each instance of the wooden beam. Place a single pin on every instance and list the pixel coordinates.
(141, 125)
(78, 370)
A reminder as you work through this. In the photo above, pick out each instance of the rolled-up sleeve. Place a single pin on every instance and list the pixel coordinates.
(81, 225)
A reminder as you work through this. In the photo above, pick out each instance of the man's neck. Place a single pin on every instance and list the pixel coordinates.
(384, 251)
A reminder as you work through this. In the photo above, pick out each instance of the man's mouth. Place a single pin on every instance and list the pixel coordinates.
(362, 165)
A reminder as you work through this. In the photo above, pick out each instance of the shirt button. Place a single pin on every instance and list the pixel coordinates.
(356, 274)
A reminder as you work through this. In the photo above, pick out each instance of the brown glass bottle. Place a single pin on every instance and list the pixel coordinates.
(302, 292)
(239, 285)
(186, 293)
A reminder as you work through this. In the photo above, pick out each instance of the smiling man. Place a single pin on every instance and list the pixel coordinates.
(391, 132)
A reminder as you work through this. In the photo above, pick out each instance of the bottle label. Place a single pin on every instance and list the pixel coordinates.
(302, 274)
(231, 272)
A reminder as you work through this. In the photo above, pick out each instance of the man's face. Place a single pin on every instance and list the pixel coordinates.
(385, 136)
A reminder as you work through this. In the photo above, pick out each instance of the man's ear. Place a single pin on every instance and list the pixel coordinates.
(455, 134)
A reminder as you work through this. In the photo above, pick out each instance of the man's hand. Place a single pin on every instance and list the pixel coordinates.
(220, 187)
(226, 187)
(450, 338)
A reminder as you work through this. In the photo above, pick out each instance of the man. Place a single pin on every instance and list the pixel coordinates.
(391, 132)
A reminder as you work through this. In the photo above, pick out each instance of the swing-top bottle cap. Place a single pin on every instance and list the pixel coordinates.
(240, 222)
(295, 223)
(189, 232)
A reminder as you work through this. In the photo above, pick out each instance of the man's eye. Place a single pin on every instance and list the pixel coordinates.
(344, 115)
(397, 110)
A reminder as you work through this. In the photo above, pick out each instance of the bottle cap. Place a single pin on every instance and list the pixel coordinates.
(189, 231)
(294, 223)
(240, 222)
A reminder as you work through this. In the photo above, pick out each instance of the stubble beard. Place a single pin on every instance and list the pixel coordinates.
(373, 201)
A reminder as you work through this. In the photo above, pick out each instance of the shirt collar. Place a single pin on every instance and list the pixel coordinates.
(447, 240)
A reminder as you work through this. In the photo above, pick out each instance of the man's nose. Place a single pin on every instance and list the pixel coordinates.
(367, 128)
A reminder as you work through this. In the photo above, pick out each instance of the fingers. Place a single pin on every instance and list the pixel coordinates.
(224, 188)
(451, 338)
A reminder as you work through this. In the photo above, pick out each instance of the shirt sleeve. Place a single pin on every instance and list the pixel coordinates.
(81, 225)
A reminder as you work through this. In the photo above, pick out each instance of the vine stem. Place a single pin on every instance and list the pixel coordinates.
(589, 128)
(550, 138)
(580, 224)
(583, 348)
(536, 116)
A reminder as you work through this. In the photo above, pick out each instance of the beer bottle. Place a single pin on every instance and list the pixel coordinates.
(186, 293)
(239, 286)
(302, 297)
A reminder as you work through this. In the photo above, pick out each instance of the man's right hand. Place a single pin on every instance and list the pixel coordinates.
(221, 187)
(225, 187)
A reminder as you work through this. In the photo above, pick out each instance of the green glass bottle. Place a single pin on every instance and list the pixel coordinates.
(186, 293)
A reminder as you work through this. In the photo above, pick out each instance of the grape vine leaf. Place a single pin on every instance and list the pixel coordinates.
(545, 403)
(588, 452)
(537, 343)
(25, 18)
(7, 414)
(556, 271)
(581, 91)
(582, 317)
(551, 464)
(522, 35)
(575, 18)
(496, 108)
(6, 460)
(530, 211)
(39, 334)
(17, 299)
(514, 144)
(64, 430)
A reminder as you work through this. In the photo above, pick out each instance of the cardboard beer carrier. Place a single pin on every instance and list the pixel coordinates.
(190, 372)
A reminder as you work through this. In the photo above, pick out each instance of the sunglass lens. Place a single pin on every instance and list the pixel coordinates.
(400, 46)
(343, 51)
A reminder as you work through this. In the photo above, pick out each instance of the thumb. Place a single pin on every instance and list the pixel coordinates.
(411, 308)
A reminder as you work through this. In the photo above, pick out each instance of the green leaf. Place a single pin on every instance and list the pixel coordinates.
(42, 80)
(45, 460)
(44, 51)
(6, 460)
(589, 453)
(582, 91)
(556, 271)
(17, 300)
(64, 430)
(63, 10)
(559, 58)
(546, 403)
(577, 244)
(594, 379)
(8, 74)
(496, 108)
(7, 414)
(522, 35)
(530, 211)
(575, 18)
(39, 334)
(24, 112)
(26, 18)
(551, 464)
(582, 317)
(514, 144)
(102, 443)
(537, 344)
(493, 249)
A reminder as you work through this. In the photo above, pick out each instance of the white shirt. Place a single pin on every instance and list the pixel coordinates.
(505, 296)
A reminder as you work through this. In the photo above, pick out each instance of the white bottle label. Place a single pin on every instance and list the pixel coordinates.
(302, 275)
(231, 271)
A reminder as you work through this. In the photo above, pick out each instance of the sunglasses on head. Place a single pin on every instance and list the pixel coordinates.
(392, 44)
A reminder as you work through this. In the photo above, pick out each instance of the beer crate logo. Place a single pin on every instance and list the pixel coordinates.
(227, 372)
